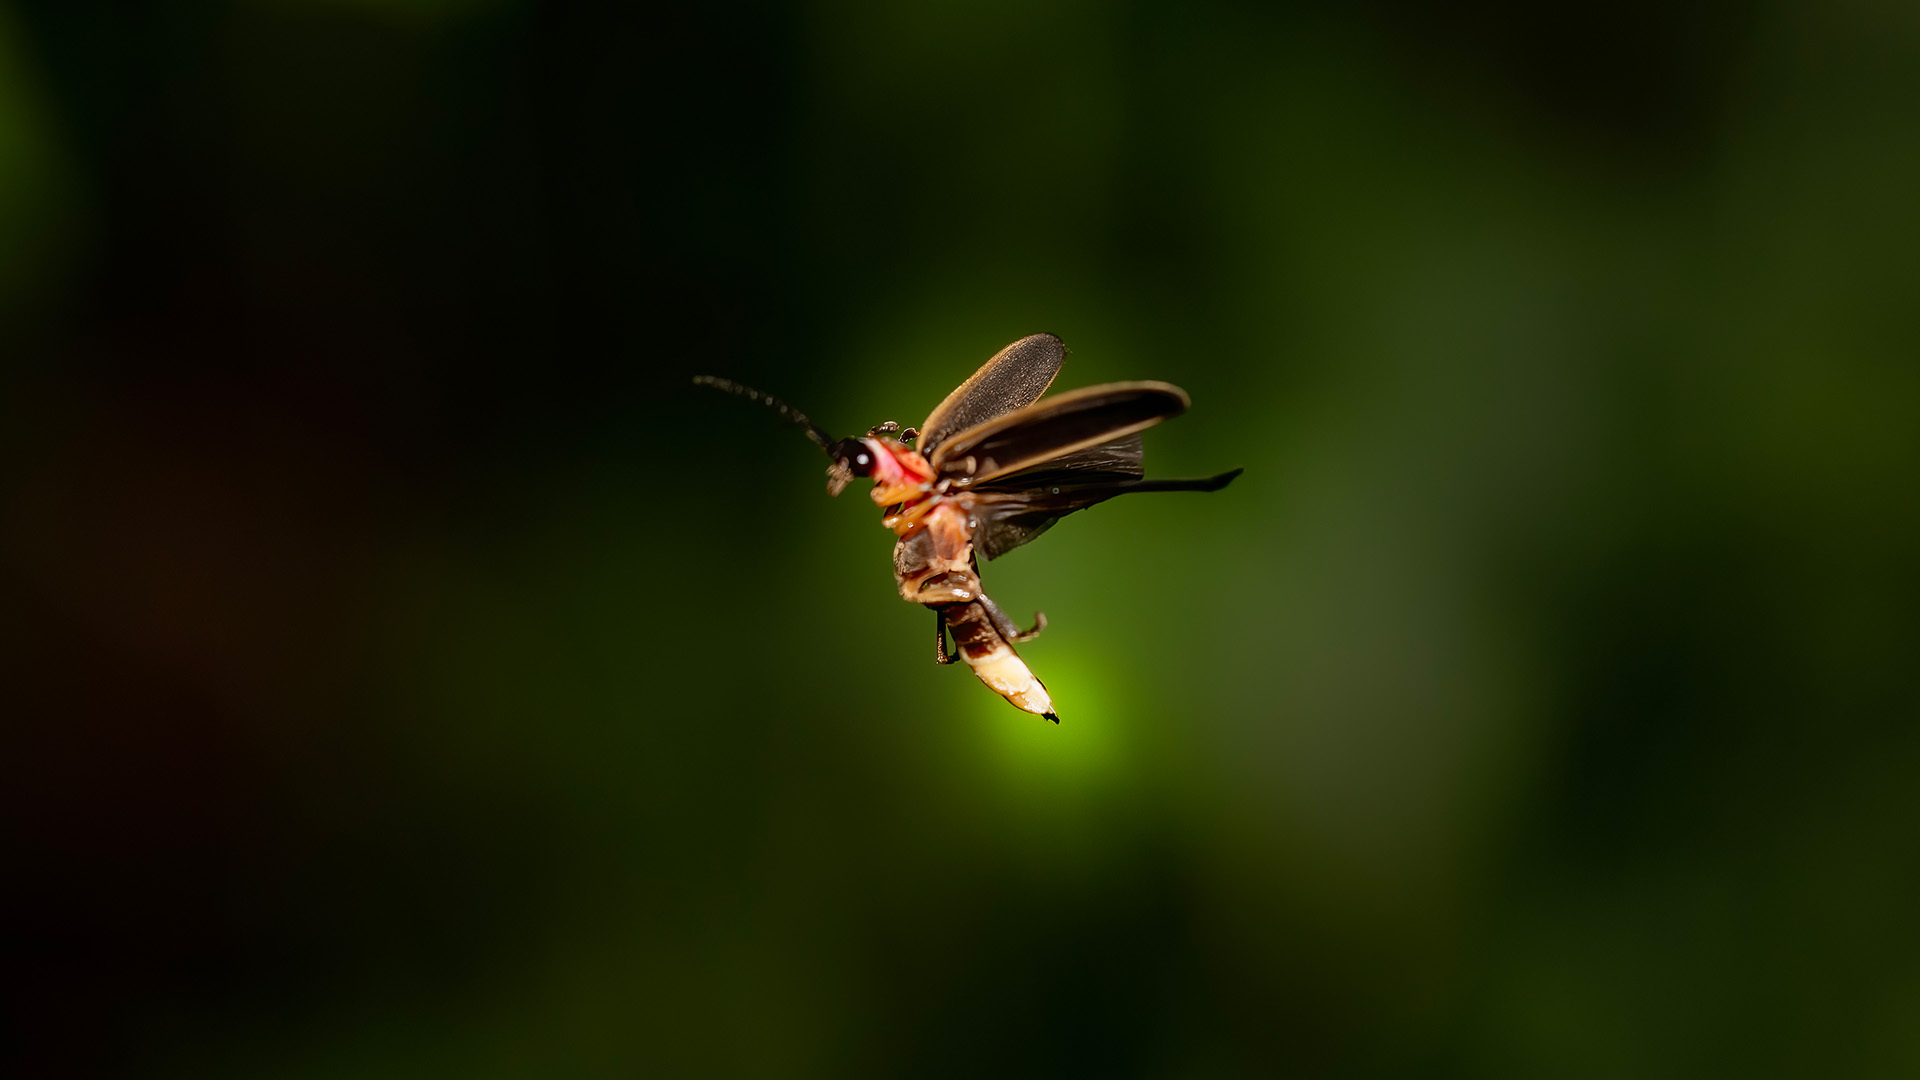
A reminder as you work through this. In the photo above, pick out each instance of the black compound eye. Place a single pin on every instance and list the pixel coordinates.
(858, 456)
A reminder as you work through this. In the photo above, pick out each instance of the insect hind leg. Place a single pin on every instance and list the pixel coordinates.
(1005, 625)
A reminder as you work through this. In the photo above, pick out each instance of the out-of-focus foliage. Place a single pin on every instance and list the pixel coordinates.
(412, 674)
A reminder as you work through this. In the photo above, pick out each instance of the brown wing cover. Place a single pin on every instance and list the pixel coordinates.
(1048, 431)
(1016, 375)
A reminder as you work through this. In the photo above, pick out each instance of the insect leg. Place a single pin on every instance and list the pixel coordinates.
(940, 654)
(1005, 625)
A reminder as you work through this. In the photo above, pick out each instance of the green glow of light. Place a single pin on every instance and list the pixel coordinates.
(1089, 747)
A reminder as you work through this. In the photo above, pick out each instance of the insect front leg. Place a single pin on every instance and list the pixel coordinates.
(1005, 625)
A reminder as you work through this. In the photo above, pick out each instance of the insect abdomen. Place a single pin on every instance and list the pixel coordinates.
(993, 660)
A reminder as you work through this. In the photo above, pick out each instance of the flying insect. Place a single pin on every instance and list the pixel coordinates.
(992, 467)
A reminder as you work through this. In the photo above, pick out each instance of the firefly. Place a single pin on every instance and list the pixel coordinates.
(991, 468)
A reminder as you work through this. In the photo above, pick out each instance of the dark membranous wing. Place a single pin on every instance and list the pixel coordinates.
(1009, 518)
(1060, 486)
(1112, 461)
(1044, 494)
(1069, 427)
(1007, 525)
(1016, 375)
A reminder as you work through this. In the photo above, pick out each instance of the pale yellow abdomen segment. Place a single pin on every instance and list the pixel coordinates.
(1007, 675)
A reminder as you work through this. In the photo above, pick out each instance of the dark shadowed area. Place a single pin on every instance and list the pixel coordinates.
(410, 673)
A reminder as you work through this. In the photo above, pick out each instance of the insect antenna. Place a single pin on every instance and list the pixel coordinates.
(824, 440)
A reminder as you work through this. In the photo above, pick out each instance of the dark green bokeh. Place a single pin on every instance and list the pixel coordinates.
(417, 676)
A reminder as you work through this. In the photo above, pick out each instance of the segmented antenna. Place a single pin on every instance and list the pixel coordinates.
(794, 415)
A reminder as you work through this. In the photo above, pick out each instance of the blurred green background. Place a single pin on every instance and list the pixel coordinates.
(414, 676)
